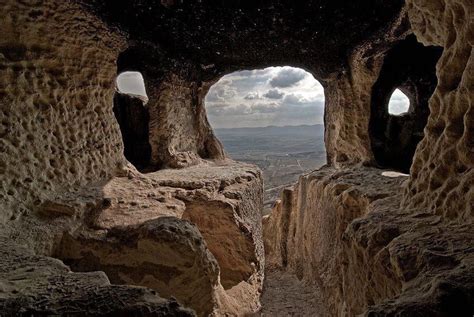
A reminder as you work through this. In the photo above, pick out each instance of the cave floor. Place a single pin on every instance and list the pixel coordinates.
(285, 295)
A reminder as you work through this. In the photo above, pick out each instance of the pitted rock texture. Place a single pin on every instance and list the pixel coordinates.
(343, 231)
(189, 46)
(57, 129)
(348, 95)
(138, 234)
(443, 168)
(178, 118)
(41, 286)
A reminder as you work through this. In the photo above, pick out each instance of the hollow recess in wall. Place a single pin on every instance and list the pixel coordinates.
(133, 118)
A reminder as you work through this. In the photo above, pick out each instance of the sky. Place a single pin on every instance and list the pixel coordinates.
(131, 83)
(272, 96)
(399, 103)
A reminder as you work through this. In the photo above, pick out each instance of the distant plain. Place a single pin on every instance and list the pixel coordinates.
(282, 153)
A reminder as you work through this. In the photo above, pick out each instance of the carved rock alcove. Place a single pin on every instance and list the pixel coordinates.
(411, 67)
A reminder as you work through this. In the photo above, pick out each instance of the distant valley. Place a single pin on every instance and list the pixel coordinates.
(283, 153)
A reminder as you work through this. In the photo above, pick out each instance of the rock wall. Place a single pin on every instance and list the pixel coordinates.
(343, 232)
(192, 233)
(381, 246)
(178, 131)
(442, 171)
(58, 132)
(180, 135)
(375, 245)
(39, 285)
(348, 95)
(66, 189)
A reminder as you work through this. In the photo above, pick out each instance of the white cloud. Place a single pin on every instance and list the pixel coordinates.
(274, 94)
(252, 96)
(131, 83)
(247, 98)
(287, 77)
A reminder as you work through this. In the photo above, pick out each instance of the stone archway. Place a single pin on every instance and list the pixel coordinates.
(410, 67)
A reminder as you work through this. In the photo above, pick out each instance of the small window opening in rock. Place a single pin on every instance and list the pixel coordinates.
(273, 118)
(132, 83)
(399, 103)
(133, 118)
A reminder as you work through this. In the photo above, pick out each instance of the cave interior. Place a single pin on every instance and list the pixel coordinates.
(116, 206)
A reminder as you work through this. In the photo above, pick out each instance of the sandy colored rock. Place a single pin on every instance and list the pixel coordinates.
(39, 285)
(64, 83)
(180, 135)
(344, 232)
(163, 254)
(137, 236)
(442, 171)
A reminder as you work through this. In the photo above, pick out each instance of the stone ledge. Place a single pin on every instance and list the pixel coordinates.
(219, 208)
(40, 285)
(345, 231)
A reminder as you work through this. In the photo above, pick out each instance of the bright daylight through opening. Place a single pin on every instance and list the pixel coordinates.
(399, 103)
(132, 83)
(273, 118)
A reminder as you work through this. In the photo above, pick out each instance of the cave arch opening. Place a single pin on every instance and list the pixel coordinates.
(133, 118)
(399, 104)
(271, 117)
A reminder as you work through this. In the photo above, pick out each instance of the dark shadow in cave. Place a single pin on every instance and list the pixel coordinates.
(133, 118)
(410, 67)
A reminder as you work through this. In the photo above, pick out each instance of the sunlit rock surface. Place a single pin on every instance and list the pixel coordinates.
(442, 171)
(197, 227)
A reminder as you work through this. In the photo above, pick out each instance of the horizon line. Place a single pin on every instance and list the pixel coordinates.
(273, 126)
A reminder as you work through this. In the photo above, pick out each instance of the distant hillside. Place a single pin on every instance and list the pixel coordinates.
(283, 153)
(288, 139)
(315, 130)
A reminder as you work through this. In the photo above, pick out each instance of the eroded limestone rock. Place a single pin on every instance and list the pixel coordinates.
(442, 171)
(212, 263)
(39, 285)
(344, 231)
(58, 131)
(163, 254)
(409, 66)
(64, 181)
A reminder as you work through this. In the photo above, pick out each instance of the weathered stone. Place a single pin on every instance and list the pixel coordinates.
(137, 237)
(442, 171)
(39, 285)
(344, 231)
(375, 245)
(57, 74)
(408, 66)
